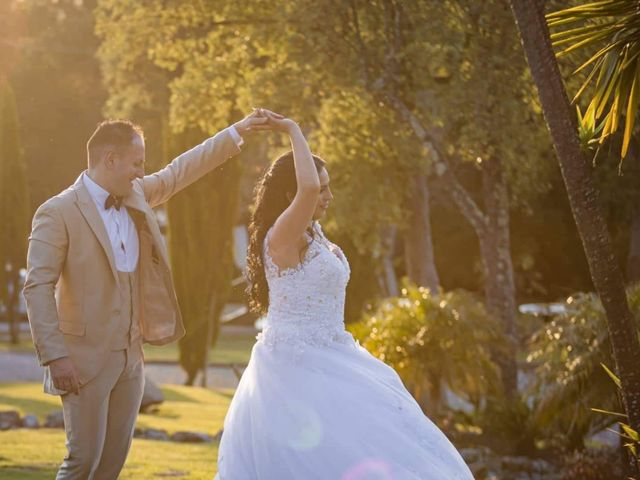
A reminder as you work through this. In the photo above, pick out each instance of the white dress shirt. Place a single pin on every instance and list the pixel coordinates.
(120, 228)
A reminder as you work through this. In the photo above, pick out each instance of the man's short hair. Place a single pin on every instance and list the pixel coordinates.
(111, 133)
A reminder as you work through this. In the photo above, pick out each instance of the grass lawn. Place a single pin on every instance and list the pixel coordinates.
(36, 454)
(25, 345)
(230, 348)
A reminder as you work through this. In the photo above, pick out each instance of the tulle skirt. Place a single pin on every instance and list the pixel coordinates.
(330, 413)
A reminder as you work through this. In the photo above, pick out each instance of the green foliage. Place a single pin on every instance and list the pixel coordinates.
(433, 340)
(630, 436)
(371, 160)
(57, 85)
(201, 219)
(567, 354)
(612, 26)
(508, 426)
(127, 30)
(14, 197)
(317, 62)
(153, 67)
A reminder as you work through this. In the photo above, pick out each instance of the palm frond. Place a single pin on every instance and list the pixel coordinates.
(616, 64)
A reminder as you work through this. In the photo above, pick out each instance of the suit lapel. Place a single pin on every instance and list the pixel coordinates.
(92, 216)
(137, 201)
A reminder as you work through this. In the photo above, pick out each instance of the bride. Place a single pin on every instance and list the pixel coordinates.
(312, 403)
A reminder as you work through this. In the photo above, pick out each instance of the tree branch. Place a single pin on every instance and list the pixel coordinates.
(463, 200)
(364, 58)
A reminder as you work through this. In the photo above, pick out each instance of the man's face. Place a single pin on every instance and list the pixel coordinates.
(127, 165)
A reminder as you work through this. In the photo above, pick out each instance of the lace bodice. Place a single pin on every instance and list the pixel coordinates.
(306, 303)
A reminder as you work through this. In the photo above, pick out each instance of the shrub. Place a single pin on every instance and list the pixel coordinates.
(433, 340)
(567, 354)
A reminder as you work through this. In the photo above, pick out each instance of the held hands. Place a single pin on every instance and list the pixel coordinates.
(262, 119)
(64, 375)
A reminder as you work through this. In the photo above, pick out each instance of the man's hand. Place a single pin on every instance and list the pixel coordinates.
(257, 120)
(281, 124)
(64, 375)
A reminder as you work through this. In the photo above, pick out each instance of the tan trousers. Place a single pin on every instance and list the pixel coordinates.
(100, 420)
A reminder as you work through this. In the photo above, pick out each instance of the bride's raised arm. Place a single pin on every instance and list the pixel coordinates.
(289, 228)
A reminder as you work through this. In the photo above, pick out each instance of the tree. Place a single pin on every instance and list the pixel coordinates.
(611, 89)
(373, 164)
(201, 219)
(57, 85)
(14, 206)
(351, 69)
(583, 196)
(143, 84)
(437, 76)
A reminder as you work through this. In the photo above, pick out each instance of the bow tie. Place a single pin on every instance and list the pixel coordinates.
(113, 201)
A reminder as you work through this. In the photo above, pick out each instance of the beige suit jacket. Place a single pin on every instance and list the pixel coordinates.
(71, 288)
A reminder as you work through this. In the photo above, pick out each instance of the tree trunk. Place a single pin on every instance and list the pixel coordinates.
(633, 259)
(495, 245)
(12, 304)
(499, 284)
(583, 198)
(418, 243)
(201, 220)
(390, 282)
(212, 327)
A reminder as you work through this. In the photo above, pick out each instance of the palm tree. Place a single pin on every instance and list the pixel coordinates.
(583, 197)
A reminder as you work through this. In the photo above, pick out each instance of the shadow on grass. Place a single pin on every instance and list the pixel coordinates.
(28, 473)
(29, 405)
(162, 414)
(172, 395)
(226, 394)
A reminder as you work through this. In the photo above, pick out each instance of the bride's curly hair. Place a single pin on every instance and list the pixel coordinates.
(271, 198)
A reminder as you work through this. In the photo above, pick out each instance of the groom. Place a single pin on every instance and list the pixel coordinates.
(98, 286)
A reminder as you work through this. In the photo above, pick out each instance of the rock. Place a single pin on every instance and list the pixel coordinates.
(152, 395)
(522, 476)
(541, 466)
(54, 420)
(30, 421)
(154, 434)
(550, 476)
(479, 469)
(472, 455)
(516, 464)
(191, 437)
(9, 419)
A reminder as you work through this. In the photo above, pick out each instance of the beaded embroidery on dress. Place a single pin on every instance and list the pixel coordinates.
(313, 404)
(306, 303)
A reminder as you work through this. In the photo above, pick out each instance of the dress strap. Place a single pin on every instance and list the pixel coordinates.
(273, 270)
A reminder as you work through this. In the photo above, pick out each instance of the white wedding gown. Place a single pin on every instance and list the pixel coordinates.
(313, 404)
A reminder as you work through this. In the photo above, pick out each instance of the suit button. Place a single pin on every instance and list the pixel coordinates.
(116, 311)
